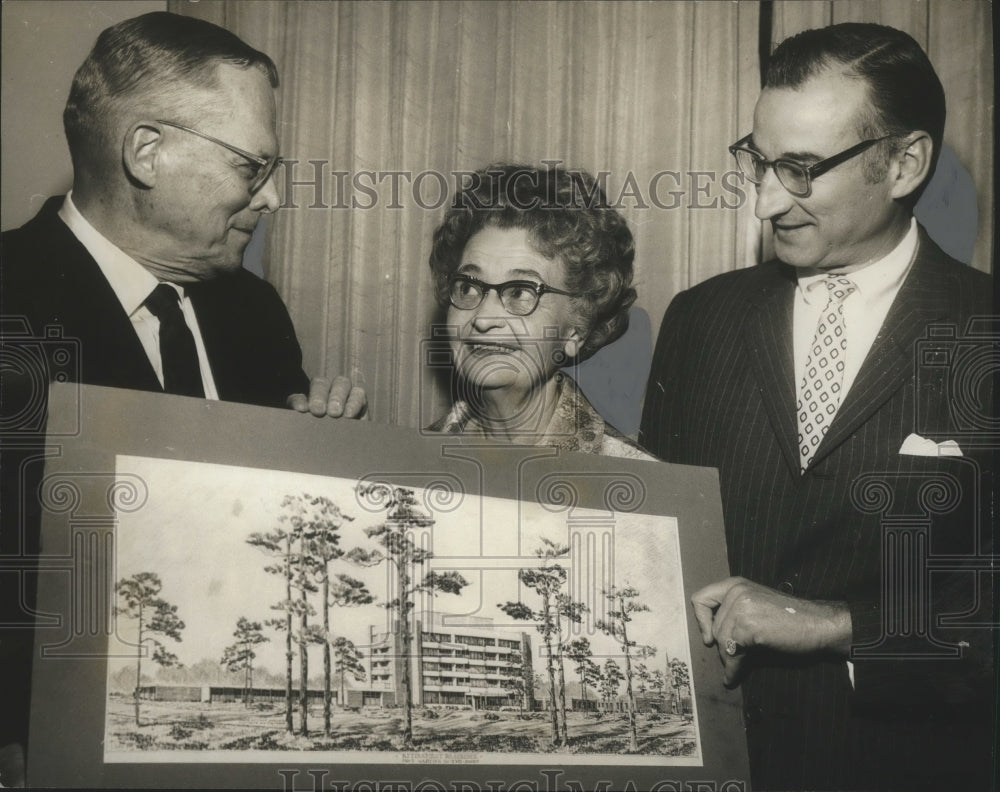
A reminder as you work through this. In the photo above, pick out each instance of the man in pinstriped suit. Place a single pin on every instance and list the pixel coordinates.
(799, 380)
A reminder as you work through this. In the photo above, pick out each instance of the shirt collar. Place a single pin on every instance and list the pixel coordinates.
(874, 281)
(131, 282)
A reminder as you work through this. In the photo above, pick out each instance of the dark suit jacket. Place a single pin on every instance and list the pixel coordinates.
(62, 320)
(51, 280)
(722, 394)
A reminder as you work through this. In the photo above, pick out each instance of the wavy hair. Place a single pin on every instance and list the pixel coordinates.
(568, 219)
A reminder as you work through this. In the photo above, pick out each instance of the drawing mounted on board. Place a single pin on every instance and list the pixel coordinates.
(230, 608)
(358, 619)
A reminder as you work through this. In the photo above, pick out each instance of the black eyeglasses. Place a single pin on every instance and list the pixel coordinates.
(265, 167)
(518, 297)
(794, 176)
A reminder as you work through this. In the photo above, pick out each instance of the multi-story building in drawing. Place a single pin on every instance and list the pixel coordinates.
(458, 661)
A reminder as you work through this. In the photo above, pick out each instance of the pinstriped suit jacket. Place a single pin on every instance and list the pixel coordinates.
(721, 394)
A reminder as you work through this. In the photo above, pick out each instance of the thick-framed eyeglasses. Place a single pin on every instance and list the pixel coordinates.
(265, 167)
(518, 297)
(794, 176)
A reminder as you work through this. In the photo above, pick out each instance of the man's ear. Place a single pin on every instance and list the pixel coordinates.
(141, 153)
(912, 165)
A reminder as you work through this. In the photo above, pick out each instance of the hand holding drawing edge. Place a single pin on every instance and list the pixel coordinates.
(736, 615)
(340, 397)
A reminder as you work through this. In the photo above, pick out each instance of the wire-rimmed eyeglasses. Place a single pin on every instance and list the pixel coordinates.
(518, 297)
(265, 167)
(794, 176)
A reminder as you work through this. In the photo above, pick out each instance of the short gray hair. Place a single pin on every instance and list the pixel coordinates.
(159, 55)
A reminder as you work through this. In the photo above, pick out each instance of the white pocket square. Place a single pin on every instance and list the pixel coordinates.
(915, 445)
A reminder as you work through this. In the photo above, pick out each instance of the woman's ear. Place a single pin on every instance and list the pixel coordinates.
(141, 153)
(573, 344)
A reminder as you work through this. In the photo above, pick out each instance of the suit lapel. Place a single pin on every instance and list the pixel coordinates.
(890, 363)
(111, 353)
(767, 338)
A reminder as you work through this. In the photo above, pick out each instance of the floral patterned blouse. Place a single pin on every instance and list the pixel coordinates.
(575, 425)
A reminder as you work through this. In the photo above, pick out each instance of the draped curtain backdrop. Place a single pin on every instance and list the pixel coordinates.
(383, 105)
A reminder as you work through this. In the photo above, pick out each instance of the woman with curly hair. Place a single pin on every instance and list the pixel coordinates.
(535, 270)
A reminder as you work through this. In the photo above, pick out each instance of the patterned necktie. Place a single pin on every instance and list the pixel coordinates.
(821, 388)
(181, 371)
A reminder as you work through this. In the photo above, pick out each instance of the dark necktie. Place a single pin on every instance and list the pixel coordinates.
(181, 372)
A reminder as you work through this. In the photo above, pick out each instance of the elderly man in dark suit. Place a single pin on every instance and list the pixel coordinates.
(799, 379)
(171, 128)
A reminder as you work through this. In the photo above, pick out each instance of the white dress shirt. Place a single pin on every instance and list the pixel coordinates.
(864, 309)
(132, 284)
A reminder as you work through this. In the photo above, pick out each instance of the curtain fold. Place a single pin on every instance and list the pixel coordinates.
(384, 105)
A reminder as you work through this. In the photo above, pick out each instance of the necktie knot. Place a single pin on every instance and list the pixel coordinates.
(164, 301)
(839, 288)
